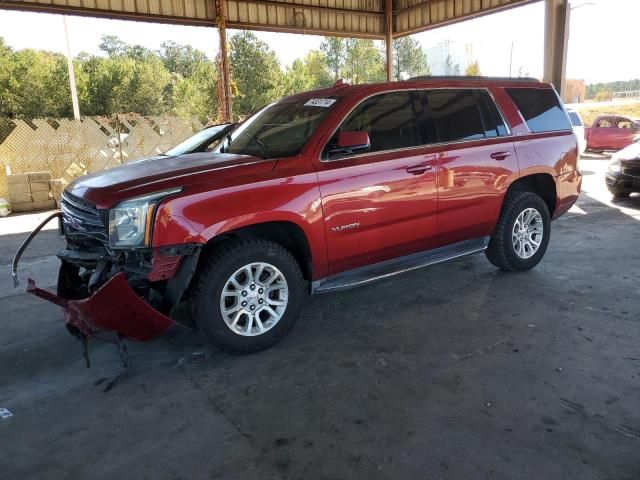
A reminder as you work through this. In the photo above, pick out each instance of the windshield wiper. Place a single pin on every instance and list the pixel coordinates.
(259, 143)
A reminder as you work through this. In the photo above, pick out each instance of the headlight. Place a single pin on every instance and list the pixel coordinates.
(130, 221)
(614, 166)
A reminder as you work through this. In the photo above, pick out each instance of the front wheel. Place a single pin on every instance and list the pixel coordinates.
(521, 236)
(248, 295)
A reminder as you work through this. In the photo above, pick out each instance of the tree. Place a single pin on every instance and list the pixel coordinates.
(112, 45)
(181, 59)
(256, 72)
(409, 59)
(308, 73)
(37, 84)
(473, 69)
(363, 62)
(196, 94)
(334, 51)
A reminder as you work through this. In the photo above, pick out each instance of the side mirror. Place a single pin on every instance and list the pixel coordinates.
(348, 143)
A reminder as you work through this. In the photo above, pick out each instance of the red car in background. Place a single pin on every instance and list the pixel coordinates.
(611, 132)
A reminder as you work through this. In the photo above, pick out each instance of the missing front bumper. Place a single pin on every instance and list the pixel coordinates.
(112, 307)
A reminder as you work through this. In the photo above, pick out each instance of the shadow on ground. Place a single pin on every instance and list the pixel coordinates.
(456, 371)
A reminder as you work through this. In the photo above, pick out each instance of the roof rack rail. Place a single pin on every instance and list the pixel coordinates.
(472, 77)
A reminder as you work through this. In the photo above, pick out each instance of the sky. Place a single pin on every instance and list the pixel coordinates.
(590, 57)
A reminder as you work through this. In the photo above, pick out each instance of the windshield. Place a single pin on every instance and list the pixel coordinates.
(198, 142)
(280, 129)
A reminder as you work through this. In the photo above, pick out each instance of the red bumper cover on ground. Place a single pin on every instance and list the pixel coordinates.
(114, 306)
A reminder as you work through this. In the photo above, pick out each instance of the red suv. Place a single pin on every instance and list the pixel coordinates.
(317, 192)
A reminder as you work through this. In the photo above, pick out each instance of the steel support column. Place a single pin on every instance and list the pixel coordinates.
(388, 25)
(224, 89)
(556, 38)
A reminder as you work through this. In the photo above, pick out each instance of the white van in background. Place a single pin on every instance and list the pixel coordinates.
(578, 129)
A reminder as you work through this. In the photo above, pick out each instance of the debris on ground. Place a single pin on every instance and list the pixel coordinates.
(5, 413)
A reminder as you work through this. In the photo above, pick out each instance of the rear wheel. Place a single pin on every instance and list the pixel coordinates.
(248, 295)
(521, 236)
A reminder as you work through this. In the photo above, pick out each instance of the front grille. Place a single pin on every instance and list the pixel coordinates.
(631, 168)
(82, 219)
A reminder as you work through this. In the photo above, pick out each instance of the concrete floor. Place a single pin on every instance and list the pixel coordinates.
(453, 372)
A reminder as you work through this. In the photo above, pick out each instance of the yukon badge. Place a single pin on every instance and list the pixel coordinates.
(342, 228)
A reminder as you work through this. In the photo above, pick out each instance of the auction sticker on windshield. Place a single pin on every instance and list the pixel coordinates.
(320, 102)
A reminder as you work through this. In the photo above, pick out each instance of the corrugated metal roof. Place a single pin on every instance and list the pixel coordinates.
(355, 18)
(412, 16)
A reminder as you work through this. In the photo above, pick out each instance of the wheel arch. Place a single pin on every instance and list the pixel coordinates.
(284, 232)
(542, 184)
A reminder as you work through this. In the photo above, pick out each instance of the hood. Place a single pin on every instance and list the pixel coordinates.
(148, 175)
(631, 152)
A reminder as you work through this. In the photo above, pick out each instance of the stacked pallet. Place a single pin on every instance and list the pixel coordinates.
(30, 192)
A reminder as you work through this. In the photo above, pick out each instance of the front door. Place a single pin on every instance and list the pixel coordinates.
(383, 203)
(602, 133)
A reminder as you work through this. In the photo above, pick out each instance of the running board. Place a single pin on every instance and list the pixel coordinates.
(388, 268)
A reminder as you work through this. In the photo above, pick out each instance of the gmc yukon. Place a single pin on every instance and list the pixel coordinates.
(317, 192)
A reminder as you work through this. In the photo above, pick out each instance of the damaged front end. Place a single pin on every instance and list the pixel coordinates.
(130, 291)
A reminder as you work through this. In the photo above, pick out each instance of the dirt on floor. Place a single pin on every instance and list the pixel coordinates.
(457, 371)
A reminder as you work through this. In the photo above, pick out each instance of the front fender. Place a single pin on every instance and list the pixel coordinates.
(202, 216)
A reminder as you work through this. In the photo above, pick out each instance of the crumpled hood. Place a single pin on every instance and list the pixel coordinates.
(148, 175)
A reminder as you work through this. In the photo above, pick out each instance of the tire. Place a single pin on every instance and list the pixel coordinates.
(214, 279)
(501, 250)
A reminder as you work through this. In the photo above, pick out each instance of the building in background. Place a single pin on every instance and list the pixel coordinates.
(575, 91)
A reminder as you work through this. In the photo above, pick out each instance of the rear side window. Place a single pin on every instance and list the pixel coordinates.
(540, 108)
(464, 115)
(390, 119)
(575, 119)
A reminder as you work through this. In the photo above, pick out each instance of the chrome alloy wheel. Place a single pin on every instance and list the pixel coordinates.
(254, 299)
(527, 233)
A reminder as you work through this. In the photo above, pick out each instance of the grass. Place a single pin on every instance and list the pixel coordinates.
(590, 112)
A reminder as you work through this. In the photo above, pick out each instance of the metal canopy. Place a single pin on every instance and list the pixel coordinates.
(352, 18)
(377, 19)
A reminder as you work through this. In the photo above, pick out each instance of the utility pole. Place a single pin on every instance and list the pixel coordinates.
(511, 60)
(72, 76)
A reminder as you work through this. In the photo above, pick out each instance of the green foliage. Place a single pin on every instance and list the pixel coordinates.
(33, 83)
(334, 51)
(355, 60)
(473, 69)
(594, 89)
(409, 59)
(256, 72)
(603, 96)
(308, 73)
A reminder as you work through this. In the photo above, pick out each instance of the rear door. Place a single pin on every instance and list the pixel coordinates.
(475, 161)
(380, 204)
(626, 130)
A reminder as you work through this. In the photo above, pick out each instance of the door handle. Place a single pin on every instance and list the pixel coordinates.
(419, 169)
(500, 155)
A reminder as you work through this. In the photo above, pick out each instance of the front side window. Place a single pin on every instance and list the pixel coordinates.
(391, 120)
(605, 123)
(456, 114)
(540, 108)
(280, 129)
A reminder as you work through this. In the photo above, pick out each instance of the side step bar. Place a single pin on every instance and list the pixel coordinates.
(388, 268)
